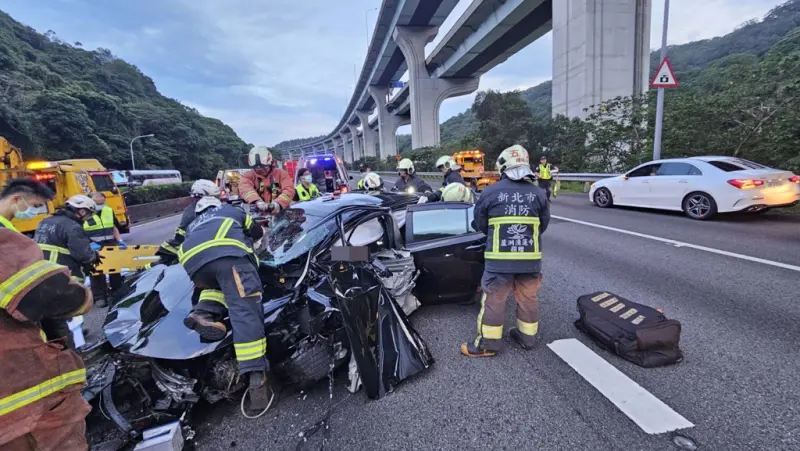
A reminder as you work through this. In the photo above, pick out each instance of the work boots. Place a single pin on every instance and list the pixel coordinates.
(260, 392)
(526, 342)
(206, 325)
(470, 350)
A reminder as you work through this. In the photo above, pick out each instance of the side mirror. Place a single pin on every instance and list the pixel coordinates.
(623, 177)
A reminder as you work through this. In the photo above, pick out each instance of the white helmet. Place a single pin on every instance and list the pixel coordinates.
(457, 192)
(206, 202)
(446, 160)
(513, 157)
(79, 201)
(406, 164)
(372, 181)
(203, 187)
(259, 156)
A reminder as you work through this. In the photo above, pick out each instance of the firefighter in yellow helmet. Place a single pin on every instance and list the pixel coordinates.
(513, 213)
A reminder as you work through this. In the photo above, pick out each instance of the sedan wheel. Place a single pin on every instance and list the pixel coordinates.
(602, 198)
(699, 206)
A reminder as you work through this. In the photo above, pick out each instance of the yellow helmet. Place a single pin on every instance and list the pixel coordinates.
(406, 164)
(457, 192)
(513, 157)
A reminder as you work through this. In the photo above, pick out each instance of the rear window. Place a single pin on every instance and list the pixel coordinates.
(102, 182)
(748, 164)
(725, 166)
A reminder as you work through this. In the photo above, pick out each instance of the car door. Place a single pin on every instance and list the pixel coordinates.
(635, 188)
(447, 251)
(672, 182)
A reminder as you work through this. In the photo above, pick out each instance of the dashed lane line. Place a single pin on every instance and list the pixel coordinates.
(648, 412)
(684, 244)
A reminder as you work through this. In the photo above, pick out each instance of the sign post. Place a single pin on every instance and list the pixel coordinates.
(669, 81)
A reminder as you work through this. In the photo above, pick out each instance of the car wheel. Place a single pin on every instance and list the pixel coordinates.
(699, 206)
(602, 198)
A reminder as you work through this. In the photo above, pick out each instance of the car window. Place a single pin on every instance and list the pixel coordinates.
(726, 166)
(748, 164)
(645, 171)
(678, 169)
(433, 224)
(102, 182)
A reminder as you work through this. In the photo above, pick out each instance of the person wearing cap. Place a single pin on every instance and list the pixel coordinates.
(544, 174)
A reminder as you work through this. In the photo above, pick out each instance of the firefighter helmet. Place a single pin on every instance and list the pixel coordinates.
(513, 157)
(204, 187)
(207, 202)
(259, 156)
(457, 192)
(372, 181)
(79, 201)
(406, 164)
(446, 160)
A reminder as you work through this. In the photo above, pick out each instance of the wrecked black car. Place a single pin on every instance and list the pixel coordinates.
(323, 311)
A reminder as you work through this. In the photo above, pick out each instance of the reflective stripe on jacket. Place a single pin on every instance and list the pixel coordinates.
(513, 214)
(307, 194)
(544, 171)
(216, 233)
(64, 241)
(100, 228)
(6, 224)
(40, 381)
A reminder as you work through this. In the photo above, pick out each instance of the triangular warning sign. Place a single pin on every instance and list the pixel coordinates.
(665, 77)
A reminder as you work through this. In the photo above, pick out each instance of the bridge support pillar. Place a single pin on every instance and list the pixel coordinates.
(356, 148)
(426, 93)
(338, 146)
(370, 135)
(388, 123)
(347, 148)
(587, 68)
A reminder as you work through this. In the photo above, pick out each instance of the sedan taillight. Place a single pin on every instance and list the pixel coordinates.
(795, 179)
(746, 183)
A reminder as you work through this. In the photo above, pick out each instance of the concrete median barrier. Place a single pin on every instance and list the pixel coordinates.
(154, 210)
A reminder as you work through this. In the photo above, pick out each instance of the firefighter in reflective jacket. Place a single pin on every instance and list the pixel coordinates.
(269, 188)
(513, 213)
(41, 407)
(305, 190)
(169, 248)
(103, 229)
(63, 239)
(218, 256)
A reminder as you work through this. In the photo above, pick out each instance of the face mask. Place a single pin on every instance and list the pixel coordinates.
(28, 213)
(99, 207)
(307, 178)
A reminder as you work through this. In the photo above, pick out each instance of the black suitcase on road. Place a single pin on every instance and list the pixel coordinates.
(635, 332)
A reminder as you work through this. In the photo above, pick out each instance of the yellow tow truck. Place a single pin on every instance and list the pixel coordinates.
(471, 162)
(67, 178)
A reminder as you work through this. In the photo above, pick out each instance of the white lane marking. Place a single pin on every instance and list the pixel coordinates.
(683, 244)
(155, 221)
(647, 411)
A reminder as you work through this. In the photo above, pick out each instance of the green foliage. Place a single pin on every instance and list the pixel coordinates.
(155, 193)
(60, 101)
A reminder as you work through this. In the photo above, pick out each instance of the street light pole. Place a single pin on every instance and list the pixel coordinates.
(133, 163)
(366, 24)
(660, 99)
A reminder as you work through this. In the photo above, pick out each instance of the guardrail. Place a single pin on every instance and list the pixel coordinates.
(147, 212)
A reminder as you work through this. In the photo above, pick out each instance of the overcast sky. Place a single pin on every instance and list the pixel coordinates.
(283, 69)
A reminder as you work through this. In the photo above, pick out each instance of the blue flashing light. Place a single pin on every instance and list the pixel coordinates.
(313, 161)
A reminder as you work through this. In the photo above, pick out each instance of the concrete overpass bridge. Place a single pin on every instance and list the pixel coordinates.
(600, 51)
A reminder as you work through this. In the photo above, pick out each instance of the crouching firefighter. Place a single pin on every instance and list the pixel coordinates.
(513, 213)
(218, 256)
(168, 251)
(41, 407)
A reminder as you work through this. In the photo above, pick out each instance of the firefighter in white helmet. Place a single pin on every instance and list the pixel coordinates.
(409, 182)
(513, 213)
(451, 170)
(269, 187)
(372, 183)
(457, 192)
(169, 248)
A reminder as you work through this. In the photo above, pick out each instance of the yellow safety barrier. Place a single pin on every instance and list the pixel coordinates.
(116, 260)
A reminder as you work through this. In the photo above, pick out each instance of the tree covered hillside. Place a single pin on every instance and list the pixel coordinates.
(60, 101)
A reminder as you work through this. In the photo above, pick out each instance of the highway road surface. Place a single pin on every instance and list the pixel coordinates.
(733, 283)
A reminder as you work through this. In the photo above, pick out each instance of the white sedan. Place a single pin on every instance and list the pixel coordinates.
(700, 187)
